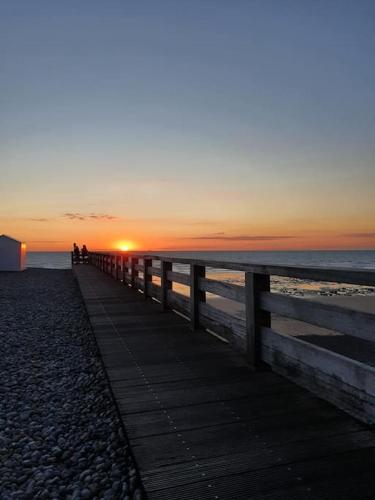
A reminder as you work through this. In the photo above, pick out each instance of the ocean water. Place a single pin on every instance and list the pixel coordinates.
(48, 260)
(354, 259)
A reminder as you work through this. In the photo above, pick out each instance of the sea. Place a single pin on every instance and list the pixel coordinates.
(352, 259)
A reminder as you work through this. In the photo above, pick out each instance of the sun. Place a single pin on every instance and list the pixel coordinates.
(123, 246)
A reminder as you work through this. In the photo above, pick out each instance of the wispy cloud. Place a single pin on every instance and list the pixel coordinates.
(92, 216)
(359, 235)
(39, 219)
(242, 237)
(200, 223)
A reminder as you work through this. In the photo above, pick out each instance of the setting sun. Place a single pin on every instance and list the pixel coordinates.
(124, 246)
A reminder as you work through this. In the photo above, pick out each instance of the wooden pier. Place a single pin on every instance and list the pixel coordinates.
(214, 420)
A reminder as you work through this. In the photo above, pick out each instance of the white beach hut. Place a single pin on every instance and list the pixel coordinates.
(12, 254)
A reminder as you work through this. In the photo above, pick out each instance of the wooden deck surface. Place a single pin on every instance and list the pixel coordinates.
(203, 426)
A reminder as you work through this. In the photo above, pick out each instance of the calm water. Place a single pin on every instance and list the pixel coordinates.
(349, 259)
(49, 260)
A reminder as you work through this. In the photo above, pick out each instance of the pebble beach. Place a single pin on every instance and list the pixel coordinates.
(60, 433)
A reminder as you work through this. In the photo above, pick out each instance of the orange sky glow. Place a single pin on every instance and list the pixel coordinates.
(187, 127)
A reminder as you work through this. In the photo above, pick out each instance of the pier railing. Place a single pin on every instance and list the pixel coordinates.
(348, 383)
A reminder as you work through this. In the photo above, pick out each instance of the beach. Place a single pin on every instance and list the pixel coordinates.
(60, 433)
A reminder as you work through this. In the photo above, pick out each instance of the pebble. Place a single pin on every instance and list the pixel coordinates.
(61, 436)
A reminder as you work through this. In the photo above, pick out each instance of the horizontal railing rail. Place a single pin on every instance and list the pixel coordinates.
(253, 333)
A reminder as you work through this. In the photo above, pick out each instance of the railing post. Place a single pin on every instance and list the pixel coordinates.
(117, 265)
(147, 278)
(196, 295)
(166, 284)
(255, 317)
(134, 272)
(125, 261)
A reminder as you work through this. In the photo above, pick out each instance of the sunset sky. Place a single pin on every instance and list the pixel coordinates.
(188, 124)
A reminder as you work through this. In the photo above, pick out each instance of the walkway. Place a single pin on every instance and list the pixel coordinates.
(202, 426)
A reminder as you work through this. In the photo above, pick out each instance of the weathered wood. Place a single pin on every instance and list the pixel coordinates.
(118, 267)
(112, 265)
(260, 302)
(255, 284)
(358, 276)
(223, 332)
(166, 284)
(197, 296)
(134, 271)
(147, 278)
(349, 371)
(126, 267)
(183, 279)
(235, 325)
(139, 267)
(138, 283)
(331, 316)
(154, 271)
(154, 290)
(201, 425)
(178, 301)
(364, 277)
(345, 382)
(227, 290)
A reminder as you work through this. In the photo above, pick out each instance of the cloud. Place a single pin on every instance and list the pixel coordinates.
(39, 219)
(92, 216)
(359, 235)
(199, 223)
(48, 241)
(242, 237)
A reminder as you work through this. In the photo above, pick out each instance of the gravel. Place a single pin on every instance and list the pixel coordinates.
(60, 433)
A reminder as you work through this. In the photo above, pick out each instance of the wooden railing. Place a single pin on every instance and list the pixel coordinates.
(348, 383)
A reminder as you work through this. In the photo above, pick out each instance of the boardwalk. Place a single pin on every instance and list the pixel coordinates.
(203, 426)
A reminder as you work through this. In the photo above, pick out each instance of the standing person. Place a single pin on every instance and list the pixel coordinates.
(76, 253)
(85, 254)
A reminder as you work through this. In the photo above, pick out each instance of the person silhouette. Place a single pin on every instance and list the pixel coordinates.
(76, 253)
(85, 254)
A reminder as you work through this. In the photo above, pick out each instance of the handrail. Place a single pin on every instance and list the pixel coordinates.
(360, 276)
(255, 295)
(312, 366)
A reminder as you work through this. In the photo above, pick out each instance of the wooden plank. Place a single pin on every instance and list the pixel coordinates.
(227, 290)
(364, 277)
(197, 296)
(234, 324)
(155, 290)
(138, 283)
(154, 271)
(147, 277)
(139, 267)
(339, 367)
(331, 316)
(166, 285)
(178, 301)
(201, 425)
(182, 278)
(255, 284)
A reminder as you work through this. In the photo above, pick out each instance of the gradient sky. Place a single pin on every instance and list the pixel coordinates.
(188, 124)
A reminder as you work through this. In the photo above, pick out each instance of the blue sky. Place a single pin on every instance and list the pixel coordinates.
(217, 95)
